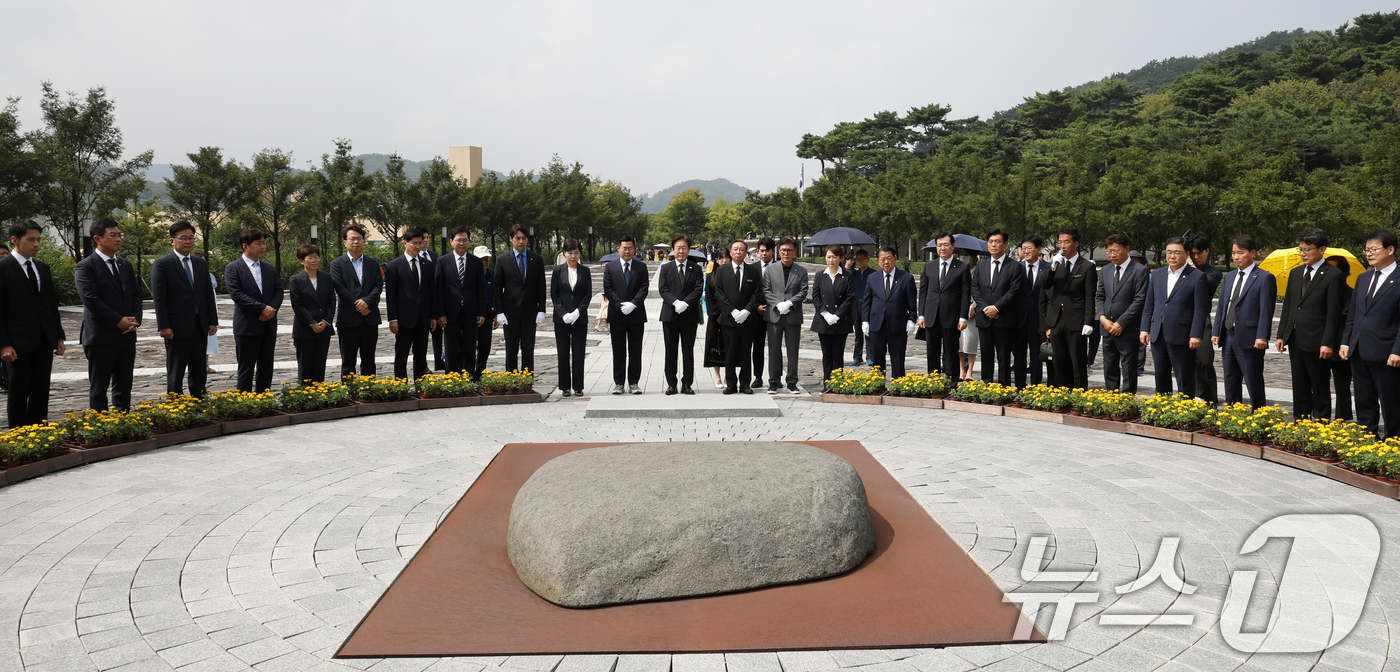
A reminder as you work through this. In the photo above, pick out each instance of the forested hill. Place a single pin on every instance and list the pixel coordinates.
(652, 203)
(1156, 75)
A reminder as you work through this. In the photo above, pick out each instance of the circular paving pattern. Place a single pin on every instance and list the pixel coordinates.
(265, 549)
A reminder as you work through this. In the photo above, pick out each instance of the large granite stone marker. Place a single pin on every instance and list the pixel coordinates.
(643, 522)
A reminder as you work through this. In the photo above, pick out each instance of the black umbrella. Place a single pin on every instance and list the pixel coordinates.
(841, 235)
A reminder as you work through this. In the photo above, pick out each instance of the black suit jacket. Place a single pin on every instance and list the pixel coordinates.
(1035, 290)
(459, 300)
(515, 297)
(1005, 294)
(1176, 316)
(731, 295)
(619, 291)
(410, 300)
(1069, 295)
(1314, 317)
(940, 304)
(673, 287)
(249, 301)
(833, 296)
(349, 289)
(28, 317)
(311, 305)
(566, 299)
(106, 299)
(176, 300)
(891, 314)
(1122, 300)
(1373, 326)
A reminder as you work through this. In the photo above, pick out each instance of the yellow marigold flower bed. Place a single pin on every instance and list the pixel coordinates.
(31, 442)
(507, 382)
(310, 396)
(850, 381)
(454, 384)
(99, 428)
(919, 385)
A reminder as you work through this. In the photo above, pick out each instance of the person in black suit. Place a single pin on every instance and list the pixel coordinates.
(571, 288)
(888, 313)
(1027, 353)
(313, 308)
(186, 315)
(358, 283)
(1118, 302)
(1341, 369)
(997, 286)
(30, 331)
(1067, 311)
(833, 300)
(737, 287)
(945, 292)
(680, 284)
(462, 300)
(519, 299)
(256, 290)
(408, 287)
(111, 314)
(426, 254)
(1176, 307)
(488, 325)
(625, 285)
(767, 255)
(1243, 322)
(1310, 326)
(1370, 340)
(1207, 388)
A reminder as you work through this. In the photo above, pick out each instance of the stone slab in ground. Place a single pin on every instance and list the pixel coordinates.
(704, 405)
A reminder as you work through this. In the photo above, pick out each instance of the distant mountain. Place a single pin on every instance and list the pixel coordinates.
(709, 188)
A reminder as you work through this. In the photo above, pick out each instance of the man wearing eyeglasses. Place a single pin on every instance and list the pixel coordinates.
(1310, 326)
(1369, 341)
(1174, 315)
(185, 312)
(111, 313)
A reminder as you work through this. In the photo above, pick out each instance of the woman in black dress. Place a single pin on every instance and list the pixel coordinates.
(833, 292)
(714, 340)
(570, 289)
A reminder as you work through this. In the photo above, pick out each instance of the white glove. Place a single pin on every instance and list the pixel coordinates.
(1087, 330)
(539, 317)
(910, 327)
(679, 305)
(502, 319)
(740, 315)
(784, 307)
(628, 307)
(830, 318)
(865, 328)
(569, 318)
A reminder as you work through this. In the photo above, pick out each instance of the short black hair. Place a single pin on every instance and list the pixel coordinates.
(787, 240)
(998, 232)
(1200, 244)
(681, 237)
(1386, 236)
(1313, 236)
(179, 226)
(1175, 240)
(99, 227)
(626, 239)
(571, 244)
(1246, 241)
(412, 233)
(837, 250)
(24, 226)
(250, 236)
(1116, 239)
(1070, 231)
(739, 240)
(1034, 240)
(862, 253)
(460, 229)
(4, 247)
(767, 242)
(345, 232)
(941, 236)
(891, 250)
(307, 249)
(518, 228)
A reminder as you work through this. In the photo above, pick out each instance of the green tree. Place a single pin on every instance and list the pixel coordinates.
(21, 177)
(687, 214)
(391, 201)
(1378, 182)
(207, 192)
(271, 191)
(616, 213)
(565, 205)
(438, 199)
(338, 192)
(143, 231)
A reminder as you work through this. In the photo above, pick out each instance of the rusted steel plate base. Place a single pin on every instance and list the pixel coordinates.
(460, 596)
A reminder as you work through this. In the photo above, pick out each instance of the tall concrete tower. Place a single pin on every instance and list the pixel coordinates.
(466, 163)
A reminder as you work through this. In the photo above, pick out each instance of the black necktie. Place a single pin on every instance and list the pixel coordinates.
(1117, 275)
(1234, 299)
(996, 270)
(29, 270)
(888, 287)
(1307, 278)
(1030, 273)
(413, 266)
(520, 261)
(1371, 291)
(942, 273)
(626, 272)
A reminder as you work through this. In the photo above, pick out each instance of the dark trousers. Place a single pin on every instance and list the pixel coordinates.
(758, 335)
(29, 376)
(1026, 355)
(437, 350)
(357, 343)
(1071, 354)
(995, 344)
(737, 351)
(459, 340)
(1207, 389)
(1168, 358)
(783, 338)
(891, 343)
(1312, 383)
(941, 349)
(569, 345)
(859, 351)
(1377, 395)
(833, 352)
(415, 339)
(254, 355)
(111, 366)
(1094, 337)
(483, 347)
(187, 353)
(1241, 363)
(520, 344)
(1120, 361)
(1341, 380)
(311, 358)
(627, 351)
(680, 344)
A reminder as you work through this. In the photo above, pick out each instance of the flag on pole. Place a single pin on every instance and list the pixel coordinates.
(802, 179)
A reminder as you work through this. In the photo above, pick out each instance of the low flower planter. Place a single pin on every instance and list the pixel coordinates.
(1295, 460)
(911, 402)
(1337, 472)
(24, 471)
(171, 438)
(1164, 433)
(973, 407)
(522, 398)
(1103, 424)
(832, 398)
(277, 419)
(377, 407)
(335, 413)
(92, 454)
(1034, 414)
(1206, 440)
(449, 402)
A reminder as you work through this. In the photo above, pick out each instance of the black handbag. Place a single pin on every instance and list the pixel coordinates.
(1047, 352)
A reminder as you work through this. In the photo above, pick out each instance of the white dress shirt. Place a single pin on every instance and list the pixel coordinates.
(1172, 277)
(256, 269)
(573, 276)
(23, 262)
(359, 266)
(415, 264)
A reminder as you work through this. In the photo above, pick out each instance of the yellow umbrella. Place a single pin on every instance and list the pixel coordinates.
(1280, 262)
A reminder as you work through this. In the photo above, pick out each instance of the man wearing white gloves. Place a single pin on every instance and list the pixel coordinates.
(625, 284)
(680, 284)
(737, 288)
(1067, 312)
(889, 311)
(784, 290)
(520, 299)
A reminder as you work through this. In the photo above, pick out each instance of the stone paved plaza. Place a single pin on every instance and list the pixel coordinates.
(265, 549)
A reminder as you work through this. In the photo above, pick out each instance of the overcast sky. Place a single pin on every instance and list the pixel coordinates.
(648, 94)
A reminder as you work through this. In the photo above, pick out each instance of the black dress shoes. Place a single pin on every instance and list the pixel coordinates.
(685, 389)
(566, 394)
(746, 390)
(730, 390)
(670, 390)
